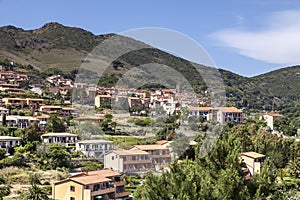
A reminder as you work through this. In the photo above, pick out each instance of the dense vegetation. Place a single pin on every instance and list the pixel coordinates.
(219, 175)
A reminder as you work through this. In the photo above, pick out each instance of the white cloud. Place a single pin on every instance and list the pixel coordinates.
(278, 42)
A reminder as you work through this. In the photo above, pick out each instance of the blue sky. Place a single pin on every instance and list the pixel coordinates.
(245, 37)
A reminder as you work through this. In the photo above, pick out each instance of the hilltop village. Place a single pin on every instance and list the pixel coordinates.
(107, 151)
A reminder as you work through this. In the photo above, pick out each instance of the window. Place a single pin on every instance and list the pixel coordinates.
(124, 158)
(112, 157)
(72, 198)
(72, 188)
(133, 158)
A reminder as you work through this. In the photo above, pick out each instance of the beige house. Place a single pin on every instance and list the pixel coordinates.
(253, 161)
(20, 102)
(94, 185)
(160, 154)
(226, 114)
(131, 161)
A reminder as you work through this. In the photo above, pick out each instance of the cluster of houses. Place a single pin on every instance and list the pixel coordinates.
(168, 100)
(138, 158)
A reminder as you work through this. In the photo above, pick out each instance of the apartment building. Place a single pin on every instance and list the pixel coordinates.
(6, 142)
(128, 161)
(93, 185)
(200, 111)
(66, 139)
(95, 148)
(160, 155)
(226, 114)
(18, 121)
(24, 102)
(50, 109)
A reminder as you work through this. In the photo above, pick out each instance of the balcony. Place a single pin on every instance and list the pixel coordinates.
(137, 161)
(119, 183)
(103, 191)
(161, 156)
(122, 194)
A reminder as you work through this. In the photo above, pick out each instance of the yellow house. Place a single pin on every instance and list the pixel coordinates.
(94, 185)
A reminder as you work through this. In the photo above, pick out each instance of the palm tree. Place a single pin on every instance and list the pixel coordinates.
(294, 168)
(35, 192)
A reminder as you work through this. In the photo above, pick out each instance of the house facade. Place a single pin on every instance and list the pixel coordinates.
(93, 185)
(18, 121)
(128, 161)
(160, 155)
(65, 139)
(95, 148)
(6, 142)
(253, 161)
(200, 111)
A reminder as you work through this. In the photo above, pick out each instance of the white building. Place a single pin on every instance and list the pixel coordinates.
(7, 141)
(18, 121)
(95, 148)
(270, 118)
(65, 139)
(3, 111)
(200, 111)
(253, 161)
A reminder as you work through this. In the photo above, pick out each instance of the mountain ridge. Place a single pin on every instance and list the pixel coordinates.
(57, 46)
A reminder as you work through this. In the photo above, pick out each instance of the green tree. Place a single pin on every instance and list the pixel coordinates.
(4, 191)
(59, 156)
(35, 192)
(55, 124)
(4, 120)
(294, 168)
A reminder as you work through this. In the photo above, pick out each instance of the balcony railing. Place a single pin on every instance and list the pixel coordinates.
(119, 183)
(122, 194)
(103, 191)
(161, 156)
(137, 161)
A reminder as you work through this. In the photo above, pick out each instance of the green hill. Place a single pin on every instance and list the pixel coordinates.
(58, 46)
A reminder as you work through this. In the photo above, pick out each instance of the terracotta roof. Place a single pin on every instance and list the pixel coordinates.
(43, 117)
(252, 154)
(130, 152)
(86, 180)
(162, 142)
(104, 172)
(228, 109)
(275, 115)
(200, 108)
